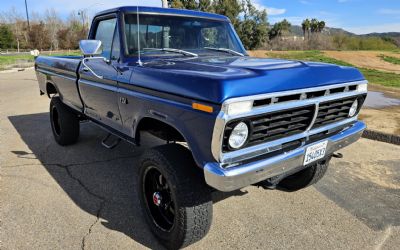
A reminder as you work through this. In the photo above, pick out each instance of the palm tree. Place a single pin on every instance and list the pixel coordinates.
(305, 25)
(285, 26)
(321, 26)
(314, 25)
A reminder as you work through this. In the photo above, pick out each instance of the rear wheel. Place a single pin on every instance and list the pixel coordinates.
(174, 197)
(64, 122)
(304, 178)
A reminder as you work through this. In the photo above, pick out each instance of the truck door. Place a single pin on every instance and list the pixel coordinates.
(100, 95)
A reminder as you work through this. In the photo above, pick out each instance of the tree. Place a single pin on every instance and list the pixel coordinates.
(306, 25)
(254, 26)
(6, 37)
(314, 25)
(205, 5)
(321, 26)
(183, 4)
(229, 8)
(38, 37)
(279, 29)
(339, 40)
(53, 25)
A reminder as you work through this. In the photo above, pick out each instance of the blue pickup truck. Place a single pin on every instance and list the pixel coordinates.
(229, 120)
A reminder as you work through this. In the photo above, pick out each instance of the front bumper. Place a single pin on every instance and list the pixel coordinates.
(240, 176)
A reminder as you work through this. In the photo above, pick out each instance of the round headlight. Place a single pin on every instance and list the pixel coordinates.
(239, 135)
(353, 108)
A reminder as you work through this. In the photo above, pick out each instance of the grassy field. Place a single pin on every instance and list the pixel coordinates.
(390, 59)
(374, 76)
(26, 60)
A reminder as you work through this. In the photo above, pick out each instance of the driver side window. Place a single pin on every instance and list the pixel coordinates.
(105, 33)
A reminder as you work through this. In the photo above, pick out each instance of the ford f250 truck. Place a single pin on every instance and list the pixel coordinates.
(229, 120)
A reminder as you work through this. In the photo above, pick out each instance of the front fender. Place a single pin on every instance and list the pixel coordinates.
(195, 126)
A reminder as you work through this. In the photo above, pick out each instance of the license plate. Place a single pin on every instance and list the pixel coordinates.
(315, 152)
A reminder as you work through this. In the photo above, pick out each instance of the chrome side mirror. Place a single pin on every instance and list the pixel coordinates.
(90, 47)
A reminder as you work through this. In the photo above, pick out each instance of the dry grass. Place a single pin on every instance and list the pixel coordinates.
(366, 59)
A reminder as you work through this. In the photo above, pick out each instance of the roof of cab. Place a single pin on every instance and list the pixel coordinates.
(164, 11)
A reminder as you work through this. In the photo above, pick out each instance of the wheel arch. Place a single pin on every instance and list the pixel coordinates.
(51, 88)
(160, 128)
(168, 128)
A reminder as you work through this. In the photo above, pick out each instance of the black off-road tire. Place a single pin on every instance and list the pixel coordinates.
(190, 195)
(64, 122)
(304, 178)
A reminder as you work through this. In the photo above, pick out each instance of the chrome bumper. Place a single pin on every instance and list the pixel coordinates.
(244, 175)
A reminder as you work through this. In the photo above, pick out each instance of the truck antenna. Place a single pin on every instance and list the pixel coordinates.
(138, 34)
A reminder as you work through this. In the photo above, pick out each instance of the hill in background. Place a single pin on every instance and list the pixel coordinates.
(296, 30)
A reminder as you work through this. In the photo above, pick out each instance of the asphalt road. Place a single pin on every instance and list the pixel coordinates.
(82, 196)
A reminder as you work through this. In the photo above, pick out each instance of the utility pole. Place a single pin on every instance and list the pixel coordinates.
(27, 14)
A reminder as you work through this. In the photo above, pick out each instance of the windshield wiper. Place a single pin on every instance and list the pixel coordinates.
(225, 50)
(183, 52)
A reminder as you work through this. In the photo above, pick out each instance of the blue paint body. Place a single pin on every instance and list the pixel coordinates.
(169, 85)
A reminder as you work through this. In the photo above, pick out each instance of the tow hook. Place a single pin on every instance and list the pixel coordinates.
(337, 155)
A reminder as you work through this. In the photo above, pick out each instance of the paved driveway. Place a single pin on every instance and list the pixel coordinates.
(83, 196)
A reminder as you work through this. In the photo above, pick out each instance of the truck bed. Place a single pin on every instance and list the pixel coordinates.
(62, 73)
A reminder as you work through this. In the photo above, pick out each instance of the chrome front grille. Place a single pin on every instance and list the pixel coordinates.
(284, 123)
(335, 110)
(275, 125)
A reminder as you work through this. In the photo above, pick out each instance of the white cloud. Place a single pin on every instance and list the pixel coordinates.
(389, 11)
(295, 20)
(388, 27)
(274, 11)
(270, 10)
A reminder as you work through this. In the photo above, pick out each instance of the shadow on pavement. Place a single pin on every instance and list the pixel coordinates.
(107, 175)
(378, 206)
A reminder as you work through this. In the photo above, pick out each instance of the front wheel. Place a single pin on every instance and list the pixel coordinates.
(304, 178)
(174, 198)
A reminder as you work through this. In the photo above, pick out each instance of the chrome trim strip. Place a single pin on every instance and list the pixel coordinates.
(292, 92)
(314, 117)
(246, 174)
(246, 153)
(55, 74)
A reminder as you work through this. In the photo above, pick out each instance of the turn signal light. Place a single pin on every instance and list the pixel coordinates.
(202, 107)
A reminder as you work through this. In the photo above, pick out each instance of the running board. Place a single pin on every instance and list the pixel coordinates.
(112, 144)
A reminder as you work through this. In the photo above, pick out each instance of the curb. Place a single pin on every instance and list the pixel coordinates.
(380, 136)
(14, 70)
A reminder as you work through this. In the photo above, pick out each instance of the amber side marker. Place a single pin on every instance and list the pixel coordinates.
(202, 107)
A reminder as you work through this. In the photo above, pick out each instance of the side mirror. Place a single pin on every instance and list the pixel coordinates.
(90, 47)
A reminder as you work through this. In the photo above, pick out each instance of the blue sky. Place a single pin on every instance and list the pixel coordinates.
(358, 16)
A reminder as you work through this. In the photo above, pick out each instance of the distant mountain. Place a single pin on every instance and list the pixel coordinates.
(384, 34)
(298, 31)
(394, 36)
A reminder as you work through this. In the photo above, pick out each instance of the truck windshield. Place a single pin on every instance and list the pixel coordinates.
(159, 33)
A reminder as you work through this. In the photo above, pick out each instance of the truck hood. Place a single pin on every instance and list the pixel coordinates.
(216, 79)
